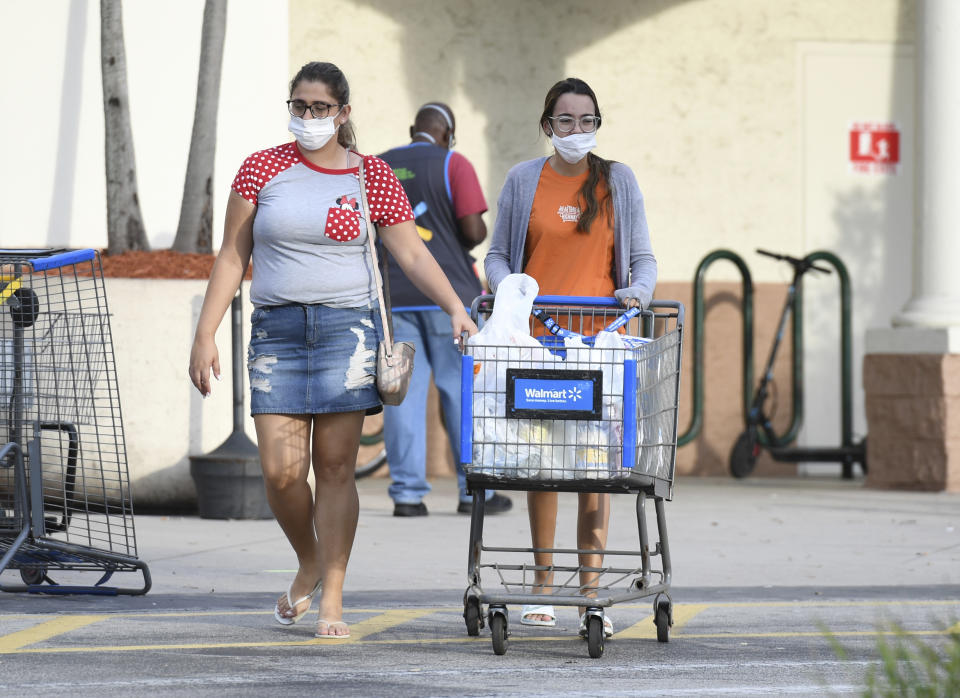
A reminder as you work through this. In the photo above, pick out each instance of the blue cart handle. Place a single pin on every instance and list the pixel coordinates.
(551, 324)
(596, 301)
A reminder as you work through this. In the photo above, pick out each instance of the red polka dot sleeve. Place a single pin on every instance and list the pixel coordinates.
(385, 195)
(261, 167)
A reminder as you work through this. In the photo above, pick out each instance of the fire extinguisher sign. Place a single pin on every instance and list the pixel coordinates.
(874, 147)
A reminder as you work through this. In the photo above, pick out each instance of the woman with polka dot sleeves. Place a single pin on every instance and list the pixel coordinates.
(295, 211)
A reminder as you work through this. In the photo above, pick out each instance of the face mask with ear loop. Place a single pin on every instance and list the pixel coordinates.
(312, 134)
(574, 148)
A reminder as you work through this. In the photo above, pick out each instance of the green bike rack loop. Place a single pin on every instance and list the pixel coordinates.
(699, 312)
(846, 350)
(846, 344)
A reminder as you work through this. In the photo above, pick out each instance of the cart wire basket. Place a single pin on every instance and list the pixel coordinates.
(65, 502)
(579, 410)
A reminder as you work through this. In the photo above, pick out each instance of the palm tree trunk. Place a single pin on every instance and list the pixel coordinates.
(195, 229)
(125, 229)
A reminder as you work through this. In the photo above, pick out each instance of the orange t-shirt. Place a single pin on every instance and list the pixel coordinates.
(566, 262)
(561, 259)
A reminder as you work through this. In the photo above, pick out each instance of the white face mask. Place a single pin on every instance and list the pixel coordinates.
(574, 148)
(312, 134)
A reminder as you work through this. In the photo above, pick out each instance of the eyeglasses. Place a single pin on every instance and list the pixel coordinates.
(566, 123)
(320, 110)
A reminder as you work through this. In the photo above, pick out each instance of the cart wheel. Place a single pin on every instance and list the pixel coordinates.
(24, 307)
(662, 620)
(498, 629)
(743, 455)
(471, 614)
(32, 576)
(595, 636)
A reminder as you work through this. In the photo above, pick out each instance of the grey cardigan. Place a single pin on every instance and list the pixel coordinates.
(633, 257)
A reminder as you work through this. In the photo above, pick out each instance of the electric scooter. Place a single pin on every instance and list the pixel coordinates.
(759, 433)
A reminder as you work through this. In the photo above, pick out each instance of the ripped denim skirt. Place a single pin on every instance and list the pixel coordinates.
(313, 359)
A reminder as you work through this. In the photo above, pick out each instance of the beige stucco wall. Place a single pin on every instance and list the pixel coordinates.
(700, 98)
(721, 107)
(165, 420)
(704, 99)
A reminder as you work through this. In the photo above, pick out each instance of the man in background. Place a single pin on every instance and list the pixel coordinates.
(448, 204)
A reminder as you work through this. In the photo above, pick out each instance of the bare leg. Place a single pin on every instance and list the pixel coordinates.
(593, 523)
(336, 439)
(542, 508)
(284, 444)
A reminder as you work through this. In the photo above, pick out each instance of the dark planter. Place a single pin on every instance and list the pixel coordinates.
(229, 481)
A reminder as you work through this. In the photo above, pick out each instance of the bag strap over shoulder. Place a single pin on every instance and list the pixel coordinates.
(384, 298)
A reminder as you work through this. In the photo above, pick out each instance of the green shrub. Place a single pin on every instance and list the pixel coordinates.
(912, 666)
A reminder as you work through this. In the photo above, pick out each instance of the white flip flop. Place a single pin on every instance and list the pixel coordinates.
(607, 625)
(527, 611)
(284, 620)
(329, 625)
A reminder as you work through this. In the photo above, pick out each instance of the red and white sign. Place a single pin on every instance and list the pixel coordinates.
(874, 147)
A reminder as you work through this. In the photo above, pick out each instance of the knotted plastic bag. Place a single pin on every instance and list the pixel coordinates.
(505, 446)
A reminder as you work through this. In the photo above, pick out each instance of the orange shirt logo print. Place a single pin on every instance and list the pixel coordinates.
(343, 220)
(569, 214)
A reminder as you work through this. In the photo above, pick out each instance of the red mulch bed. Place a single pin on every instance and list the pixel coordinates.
(158, 264)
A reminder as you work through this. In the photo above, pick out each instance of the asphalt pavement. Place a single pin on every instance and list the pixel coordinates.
(765, 572)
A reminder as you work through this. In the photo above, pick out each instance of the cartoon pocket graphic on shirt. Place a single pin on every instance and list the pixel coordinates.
(343, 220)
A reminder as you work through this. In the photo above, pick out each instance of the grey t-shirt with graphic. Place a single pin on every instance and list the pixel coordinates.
(309, 235)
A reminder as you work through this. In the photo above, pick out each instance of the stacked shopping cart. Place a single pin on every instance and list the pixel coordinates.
(65, 503)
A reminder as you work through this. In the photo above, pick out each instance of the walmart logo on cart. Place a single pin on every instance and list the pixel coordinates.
(563, 395)
(542, 393)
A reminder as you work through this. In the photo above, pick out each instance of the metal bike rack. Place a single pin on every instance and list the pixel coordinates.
(699, 313)
(848, 452)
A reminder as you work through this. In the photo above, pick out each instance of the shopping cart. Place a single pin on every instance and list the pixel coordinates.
(65, 503)
(581, 417)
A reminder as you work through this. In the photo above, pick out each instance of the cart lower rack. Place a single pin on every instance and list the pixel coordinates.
(596, 412)
(65, 503)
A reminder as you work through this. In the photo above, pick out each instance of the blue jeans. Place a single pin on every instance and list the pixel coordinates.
(404, 425)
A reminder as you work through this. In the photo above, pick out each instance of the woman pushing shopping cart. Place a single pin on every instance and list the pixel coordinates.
(581, 398)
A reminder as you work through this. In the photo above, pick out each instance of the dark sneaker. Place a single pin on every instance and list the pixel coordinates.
(497, 504)
(418, 509)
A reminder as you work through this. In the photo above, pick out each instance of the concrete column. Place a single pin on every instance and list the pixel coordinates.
(936, 277)
(911, 372)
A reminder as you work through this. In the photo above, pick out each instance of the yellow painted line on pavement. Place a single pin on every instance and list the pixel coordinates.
(358, 630)
(19, 642)
(646, 630)
(787, 634)
(483, 639)
(449, 609)
(44, 631)
(385, 621)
